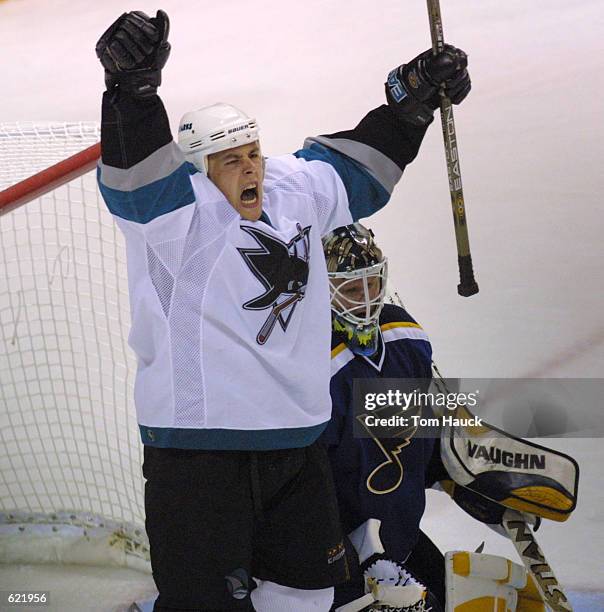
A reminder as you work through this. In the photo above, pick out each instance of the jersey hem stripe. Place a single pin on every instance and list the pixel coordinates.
(230, 439)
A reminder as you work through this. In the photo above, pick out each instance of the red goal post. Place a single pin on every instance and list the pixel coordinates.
(46, 180)
(36, 158)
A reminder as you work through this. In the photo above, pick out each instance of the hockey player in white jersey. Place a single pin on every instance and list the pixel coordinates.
(230, 319)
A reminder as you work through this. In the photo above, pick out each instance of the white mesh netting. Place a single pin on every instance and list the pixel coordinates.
(70, 444)
(27, 147)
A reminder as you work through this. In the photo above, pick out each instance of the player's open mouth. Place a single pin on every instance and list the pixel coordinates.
(249, 196)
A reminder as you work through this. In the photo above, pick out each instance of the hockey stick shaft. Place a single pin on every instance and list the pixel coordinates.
(467, 285)
(537, 566)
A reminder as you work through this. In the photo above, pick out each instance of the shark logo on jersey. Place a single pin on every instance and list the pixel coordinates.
(282, 269)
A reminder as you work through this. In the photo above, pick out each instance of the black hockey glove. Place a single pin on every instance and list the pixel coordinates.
(413, 89)
(133, 51)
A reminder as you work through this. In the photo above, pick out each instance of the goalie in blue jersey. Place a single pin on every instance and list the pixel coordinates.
(380, 482)
(383, 480)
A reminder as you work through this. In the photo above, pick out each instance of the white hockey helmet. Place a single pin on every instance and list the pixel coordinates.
(214, 128)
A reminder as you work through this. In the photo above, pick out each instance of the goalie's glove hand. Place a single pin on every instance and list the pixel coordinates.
(413, 89)
(133, 51)
(394, 587)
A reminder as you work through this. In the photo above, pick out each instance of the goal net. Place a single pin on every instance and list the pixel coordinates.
(71, 485)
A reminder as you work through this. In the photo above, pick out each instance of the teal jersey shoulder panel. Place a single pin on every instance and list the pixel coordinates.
(150, 201)
(365, 194)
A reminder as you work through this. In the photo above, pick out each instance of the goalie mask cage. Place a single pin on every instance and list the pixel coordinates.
(71, 486)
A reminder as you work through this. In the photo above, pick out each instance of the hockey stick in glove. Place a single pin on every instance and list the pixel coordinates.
(534, 560)
(467, 285)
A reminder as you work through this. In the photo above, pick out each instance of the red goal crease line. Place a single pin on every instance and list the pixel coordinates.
(52, 177)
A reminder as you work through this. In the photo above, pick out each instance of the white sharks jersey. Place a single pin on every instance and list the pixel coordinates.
(231, 318)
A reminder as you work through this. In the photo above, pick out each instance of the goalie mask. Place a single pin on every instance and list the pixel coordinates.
(357, 273)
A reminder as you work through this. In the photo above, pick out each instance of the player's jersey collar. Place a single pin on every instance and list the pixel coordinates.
(377, 359)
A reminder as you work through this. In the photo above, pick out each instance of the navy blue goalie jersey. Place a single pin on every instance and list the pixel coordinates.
(380, 478)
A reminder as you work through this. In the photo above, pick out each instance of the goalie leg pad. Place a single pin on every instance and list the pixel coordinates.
(478, 582)
(529, 598)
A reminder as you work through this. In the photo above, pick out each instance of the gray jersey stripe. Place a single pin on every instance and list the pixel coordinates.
(382, 168)
(158, 165)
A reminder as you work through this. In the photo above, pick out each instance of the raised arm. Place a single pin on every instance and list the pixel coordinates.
(370, 159)
(143, 173)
